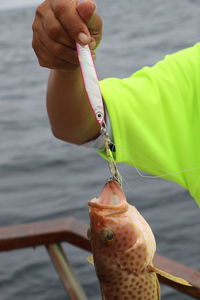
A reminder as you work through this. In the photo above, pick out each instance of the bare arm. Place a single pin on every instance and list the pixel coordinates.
(57, 25)
(69, 112)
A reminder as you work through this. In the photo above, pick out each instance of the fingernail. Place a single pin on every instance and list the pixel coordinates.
(92, 1)
(95, 6)
(83, 38)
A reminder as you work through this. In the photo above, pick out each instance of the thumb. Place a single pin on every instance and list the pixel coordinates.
(86, 10)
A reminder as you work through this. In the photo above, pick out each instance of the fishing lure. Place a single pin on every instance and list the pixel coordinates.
(92, 89)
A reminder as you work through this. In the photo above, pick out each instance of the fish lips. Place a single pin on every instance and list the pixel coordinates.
(111, 209)
(111, 197)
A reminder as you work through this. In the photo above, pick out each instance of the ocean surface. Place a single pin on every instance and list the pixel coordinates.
(42, 178)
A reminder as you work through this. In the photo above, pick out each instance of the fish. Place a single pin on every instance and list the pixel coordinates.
(123, 247)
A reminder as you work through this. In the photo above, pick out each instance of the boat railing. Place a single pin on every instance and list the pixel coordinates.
(52, 233)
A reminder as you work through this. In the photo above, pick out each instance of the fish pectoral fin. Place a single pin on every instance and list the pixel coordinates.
(158, 288)
(90, 259)
(168, 276)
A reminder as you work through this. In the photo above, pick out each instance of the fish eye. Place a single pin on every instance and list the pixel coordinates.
(107, 236)
(89, 235)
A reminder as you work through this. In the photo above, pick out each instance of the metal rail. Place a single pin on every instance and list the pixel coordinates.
(70, 230)
(67, 276)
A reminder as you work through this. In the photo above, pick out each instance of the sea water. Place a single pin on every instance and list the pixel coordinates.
(42, 178)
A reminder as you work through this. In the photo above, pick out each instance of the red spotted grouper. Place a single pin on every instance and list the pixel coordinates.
(123, 247)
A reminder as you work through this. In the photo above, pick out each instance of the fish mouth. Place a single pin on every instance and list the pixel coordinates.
(111, 197)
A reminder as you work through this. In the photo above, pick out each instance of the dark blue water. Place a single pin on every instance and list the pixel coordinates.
(42, 178)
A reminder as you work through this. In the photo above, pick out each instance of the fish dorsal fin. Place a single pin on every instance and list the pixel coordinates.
(90, 259)
(168, 276)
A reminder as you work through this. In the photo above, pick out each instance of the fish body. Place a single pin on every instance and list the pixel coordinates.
(123, 247)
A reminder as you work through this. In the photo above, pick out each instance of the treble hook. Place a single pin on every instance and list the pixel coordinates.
(111, 162)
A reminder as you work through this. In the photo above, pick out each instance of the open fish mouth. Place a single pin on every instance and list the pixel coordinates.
(111, 197)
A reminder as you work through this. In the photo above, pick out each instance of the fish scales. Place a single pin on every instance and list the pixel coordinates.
(123, 247)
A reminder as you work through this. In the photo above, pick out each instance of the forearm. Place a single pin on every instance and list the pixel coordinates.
(69, 111)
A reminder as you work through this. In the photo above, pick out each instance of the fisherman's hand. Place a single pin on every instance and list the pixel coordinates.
(58, 24)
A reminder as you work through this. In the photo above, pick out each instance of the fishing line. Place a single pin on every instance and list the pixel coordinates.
(161, 175)
(166, 174)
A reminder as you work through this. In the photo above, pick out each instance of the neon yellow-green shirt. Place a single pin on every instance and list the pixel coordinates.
(155, 118)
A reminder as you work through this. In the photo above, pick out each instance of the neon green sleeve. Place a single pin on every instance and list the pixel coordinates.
(155, 118)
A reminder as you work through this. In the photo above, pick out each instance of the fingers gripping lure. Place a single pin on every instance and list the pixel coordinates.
(95, 99)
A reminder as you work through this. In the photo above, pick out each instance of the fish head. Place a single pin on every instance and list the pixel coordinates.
(109, 220)
(120, 237)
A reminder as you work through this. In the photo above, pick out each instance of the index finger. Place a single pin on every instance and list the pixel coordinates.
(65, 12)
